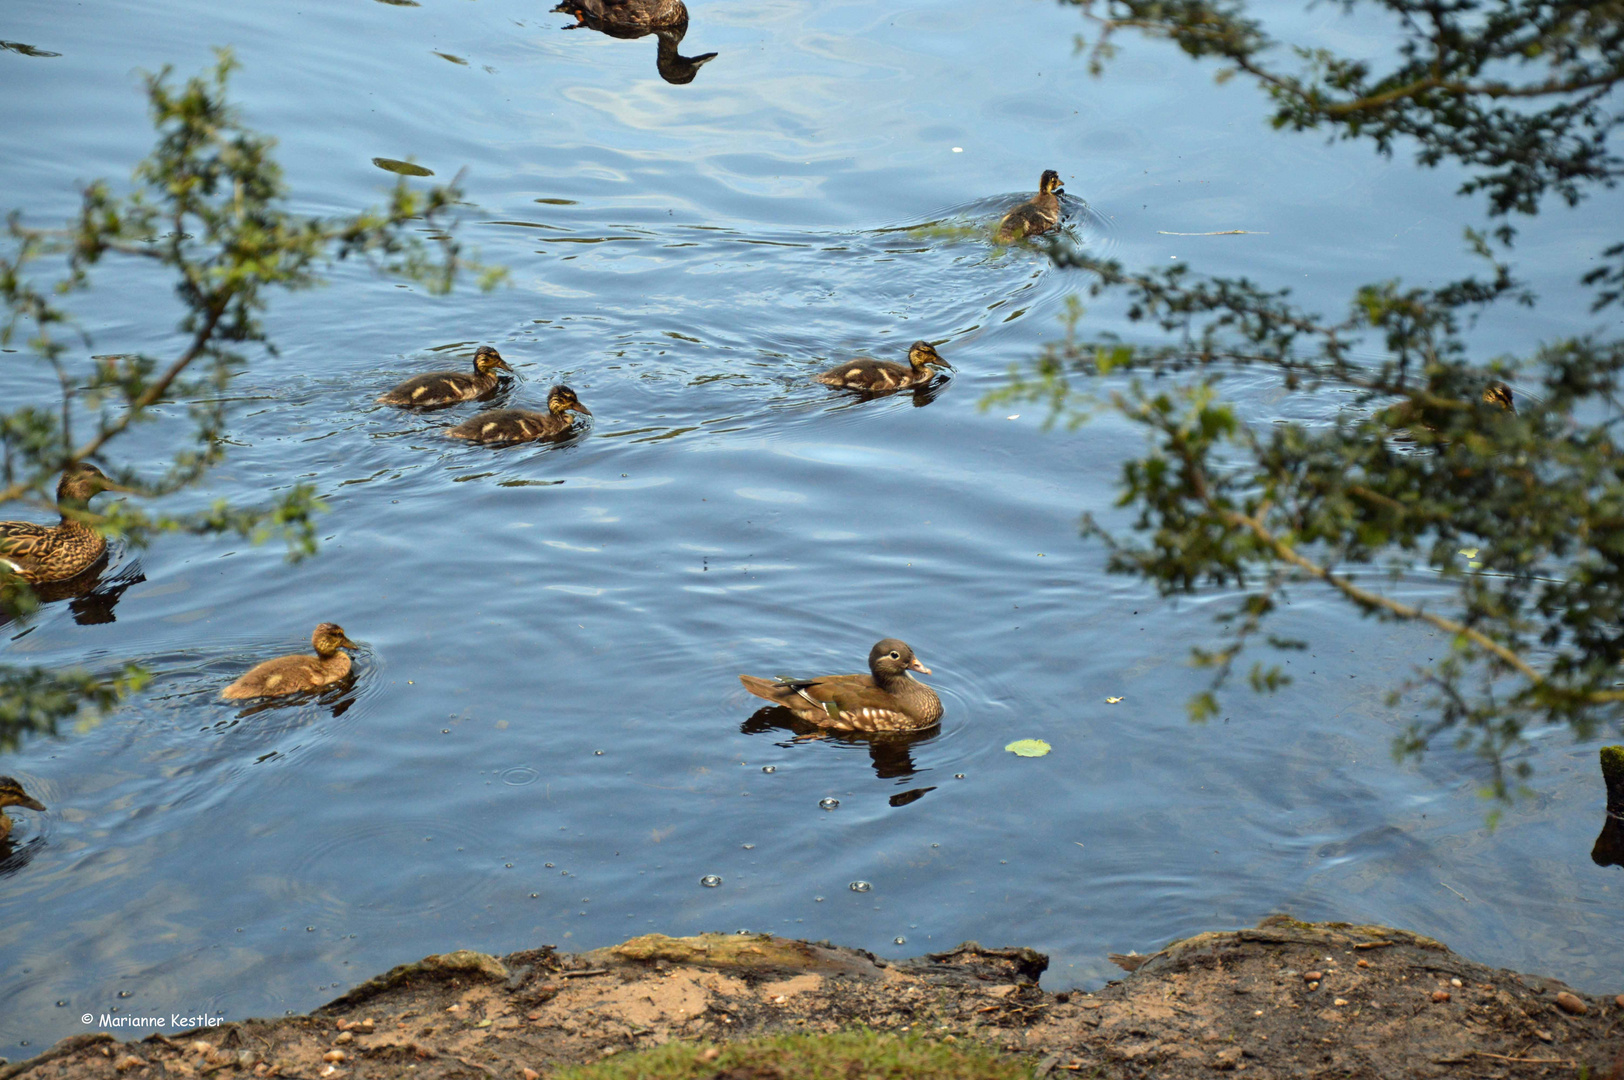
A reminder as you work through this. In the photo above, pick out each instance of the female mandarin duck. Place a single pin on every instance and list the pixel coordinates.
(46, 553)
(1036, 215)
(12, 794)
(299, 672)
(499, 426)
(886, 699)
(882, 376)
(449, 387)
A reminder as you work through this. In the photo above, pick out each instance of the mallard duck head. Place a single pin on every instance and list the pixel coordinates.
(12, 794)
(921, 354)
(1049, 183)
(1498, 393)
(329, 638)
(487, 360)
(561, 399)
(892, 657)
(82, 480)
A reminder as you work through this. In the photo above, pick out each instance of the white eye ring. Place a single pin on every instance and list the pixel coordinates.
(895, 655)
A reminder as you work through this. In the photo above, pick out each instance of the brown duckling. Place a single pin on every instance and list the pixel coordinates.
(44, 553)
(12, 794)
(886, 699)
(882, 376)
(1408, 413)
(1036, 215)
(498, 426)
(622, 16)
(299, 672)
(449, 387)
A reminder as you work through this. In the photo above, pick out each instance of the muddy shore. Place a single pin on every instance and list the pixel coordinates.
(1284, 999)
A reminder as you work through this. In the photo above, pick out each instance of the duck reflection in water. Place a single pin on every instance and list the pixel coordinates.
(91, 596)
(1609, 849)
(890, 752)
(667, 20)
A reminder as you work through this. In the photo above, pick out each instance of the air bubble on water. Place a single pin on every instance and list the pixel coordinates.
(769, 768)
(958, 776)
(748, 847)
(828, 804)
(597, 753)
(900, 940)
(859, 886)
(817, 899)
(548, 865)
(710, 881)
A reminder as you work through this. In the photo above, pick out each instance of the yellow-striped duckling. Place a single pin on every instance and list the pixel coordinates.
(439, 388)
(12, 794)
(1036, 215)
(45, 553)
(886, 699)
(299, 672)
(882, 376)
(499, 426)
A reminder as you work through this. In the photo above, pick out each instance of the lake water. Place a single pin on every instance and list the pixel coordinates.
(547, 742)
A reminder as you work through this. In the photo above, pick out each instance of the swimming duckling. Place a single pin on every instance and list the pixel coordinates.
(1036, 215)
(299, 672)
(12, 794)
(886, 699)
(622, 16)
(498, 426)
(882, 376)
(449, 387)
(44, 553)
(1410, 413)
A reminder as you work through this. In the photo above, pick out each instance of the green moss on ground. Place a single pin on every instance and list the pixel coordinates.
(846, 1055)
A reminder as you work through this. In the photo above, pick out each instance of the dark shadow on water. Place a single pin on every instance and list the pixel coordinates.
(91, 597)
(667, 21)
(1609, 849)
(890, 753)
(15, 856)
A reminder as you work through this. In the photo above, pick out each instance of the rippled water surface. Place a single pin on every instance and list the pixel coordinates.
(546, 740)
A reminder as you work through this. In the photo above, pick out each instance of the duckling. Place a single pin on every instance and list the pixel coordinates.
(497, 426)
(1036, 215)
(449, 387)
(882, 376)
(1408, 413)
(12, 794)
(620, 16)
(45, 553)
(299, 672)
(886, 699)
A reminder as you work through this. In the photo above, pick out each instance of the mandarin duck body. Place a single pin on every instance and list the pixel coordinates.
(1036, 215)
(12, 794)
(46, 553)
(501, 426)
(439, 388)
(626, 17)
(299, 672)
(888, 698)
(882, 376)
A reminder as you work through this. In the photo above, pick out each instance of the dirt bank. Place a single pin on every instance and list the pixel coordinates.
(1286, 999)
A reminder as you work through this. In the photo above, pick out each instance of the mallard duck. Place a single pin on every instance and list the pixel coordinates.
(44, 553)
(1036, 215)
(12, 794)
(449, 387)
(624, 16)
(626, 19)
(882, 376)
(521, 425)
(886, 699)
(299, 672)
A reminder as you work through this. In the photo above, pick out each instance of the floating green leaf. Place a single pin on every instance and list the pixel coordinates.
(1028, 747)
(403, 168)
